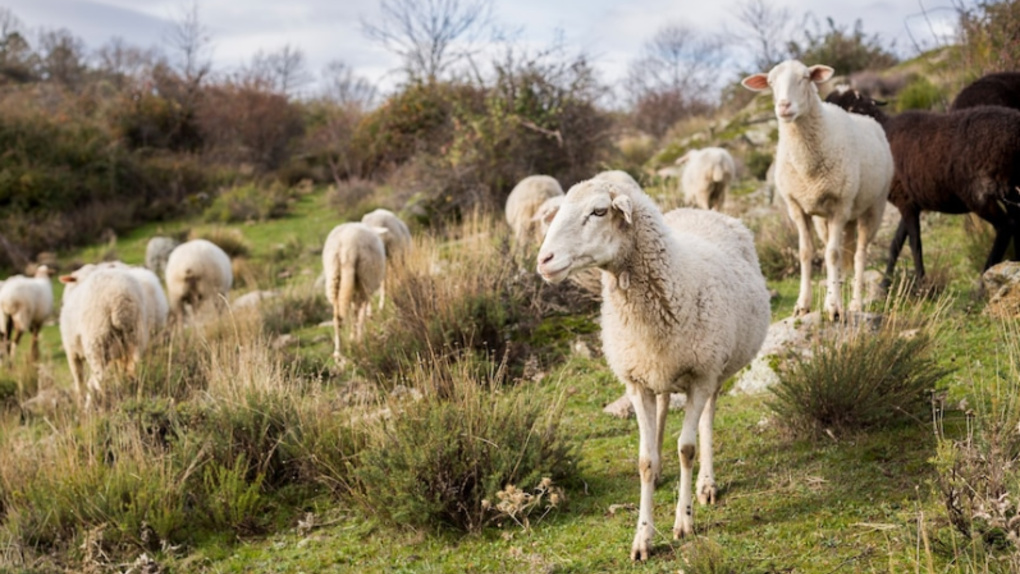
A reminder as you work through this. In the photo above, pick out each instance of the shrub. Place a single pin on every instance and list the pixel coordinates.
(444, 459)
(859, 381)
(758, 163)
(229, 239)
(778, 248)
(249, 202)
(920, 94)
(979, 475)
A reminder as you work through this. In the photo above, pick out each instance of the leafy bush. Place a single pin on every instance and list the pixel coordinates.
(443, 461)
(778, 248)
(249, 202)
(858, 382)
(987, 31)
(920, 94)
(758, 163)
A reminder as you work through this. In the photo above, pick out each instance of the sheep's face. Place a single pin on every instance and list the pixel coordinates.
(793, 86)
(587, 231)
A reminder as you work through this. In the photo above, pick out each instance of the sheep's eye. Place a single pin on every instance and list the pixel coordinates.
(600, 212)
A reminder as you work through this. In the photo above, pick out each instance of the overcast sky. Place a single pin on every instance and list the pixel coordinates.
(611, 32)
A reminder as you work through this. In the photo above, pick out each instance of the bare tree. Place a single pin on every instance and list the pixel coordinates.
(284, 71)
(190, 44)
(341, 86)
(62, 57)
(766, 32)
(121, 61)
(17, 62)
(425, 33)
(676, 76)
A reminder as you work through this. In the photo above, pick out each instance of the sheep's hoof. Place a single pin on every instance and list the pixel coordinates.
(639, 551)
(799, 311)
(682, 531)
(706, 494)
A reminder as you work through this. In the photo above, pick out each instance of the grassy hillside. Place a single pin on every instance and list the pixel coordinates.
(863, 502)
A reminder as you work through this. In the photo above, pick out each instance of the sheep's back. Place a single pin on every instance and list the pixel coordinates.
(353, 246)
(526, 197)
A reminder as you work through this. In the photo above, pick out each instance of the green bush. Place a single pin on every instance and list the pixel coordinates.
(443, 461)
(858, 382)
(248, 202)
(919, 94)
(758, 163)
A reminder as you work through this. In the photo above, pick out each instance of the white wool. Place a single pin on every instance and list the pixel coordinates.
(25, 304)
(354, 262)
(397, 242)
(707, 176)
(197, 271)
(523, 203)
(684, 307)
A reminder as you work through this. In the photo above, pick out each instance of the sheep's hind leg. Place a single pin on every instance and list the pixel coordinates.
(661, 410)
(706, 473)
(697, 397)
(644, 408)
(833, 268)
(806, 252)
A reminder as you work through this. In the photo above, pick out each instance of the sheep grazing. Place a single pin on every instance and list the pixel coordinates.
(157, 308)
(830, 164)
(960, 162)
(102, 322)
(157, 252)
(706, 177)
(1002, 89)
(684, 306)
(397, 242)
(524, 202)
(25, 304)
(197, 271)
(354, 262)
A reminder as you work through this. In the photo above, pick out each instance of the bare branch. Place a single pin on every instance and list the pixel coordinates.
(190, 44)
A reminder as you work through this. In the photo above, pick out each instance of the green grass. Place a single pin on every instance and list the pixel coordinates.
(785, 504)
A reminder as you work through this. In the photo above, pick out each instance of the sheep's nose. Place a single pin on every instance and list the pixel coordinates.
(545, 258)
(783, 105)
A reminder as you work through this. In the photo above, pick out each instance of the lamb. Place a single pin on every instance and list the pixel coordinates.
(197, 271)
(25, 304)
(102, 322)
(354, 262)
(157, 308)
(707, 176)
(1002, 89)
(157, 252)
(959, 162)
(830, 164)
(523, 203)
(684, 306)
(397, 242)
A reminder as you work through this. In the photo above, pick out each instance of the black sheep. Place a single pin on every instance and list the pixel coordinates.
(1002, 89)
(960, 162)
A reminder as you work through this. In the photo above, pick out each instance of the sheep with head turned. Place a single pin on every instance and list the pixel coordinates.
(523, 203)
(706, 177)
(684, 306)
(831, 165)
(959, 162)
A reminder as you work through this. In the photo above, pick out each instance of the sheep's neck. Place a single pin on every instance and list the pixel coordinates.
(644, 273)
(804, 141)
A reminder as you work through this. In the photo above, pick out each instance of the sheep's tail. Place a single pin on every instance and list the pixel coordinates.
(345, 287)
(718, 174)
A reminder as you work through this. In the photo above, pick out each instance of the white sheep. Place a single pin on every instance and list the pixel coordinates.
(397, 242)
(25, 304)
(354, 262)
(832, 165)
(102, 322)
(197, 271)
(157, 308)
(524, 201)
(707, 176)
(157, 252)
(684, 306)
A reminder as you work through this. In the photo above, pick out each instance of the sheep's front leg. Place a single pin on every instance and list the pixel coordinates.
(834, 269)
(697, 397)
(644, 408)
(706, 472)
(806, 252)
(661, 410)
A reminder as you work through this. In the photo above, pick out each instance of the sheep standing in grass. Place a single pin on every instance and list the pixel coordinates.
(25, 303)
(960, 162)
(830, 164)
(102, 322)
(1001, 89)
(157, 252)
(684, 306)
(707, 175)
(354, 262)
(523, 203)
(397, 242)
(197, 271)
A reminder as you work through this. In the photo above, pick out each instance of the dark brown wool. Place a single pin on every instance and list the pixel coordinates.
(1002, 89)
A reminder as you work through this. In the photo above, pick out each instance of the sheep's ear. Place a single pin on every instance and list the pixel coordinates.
(756, 83)
(382, 232)
(623, 204)
(546, 215)
(680, 160)
(820, 74)
(68, 279)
